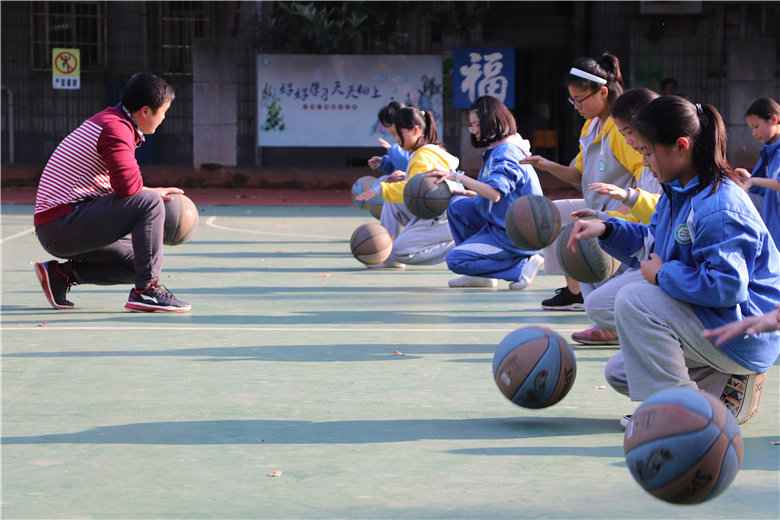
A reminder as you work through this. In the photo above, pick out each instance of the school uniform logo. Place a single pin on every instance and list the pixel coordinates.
(682, 235)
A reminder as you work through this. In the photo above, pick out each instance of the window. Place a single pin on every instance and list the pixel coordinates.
(79, 25)
(178, 25)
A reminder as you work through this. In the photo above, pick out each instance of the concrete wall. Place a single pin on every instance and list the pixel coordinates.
(725, 56)
(751, 73)
(215, 103)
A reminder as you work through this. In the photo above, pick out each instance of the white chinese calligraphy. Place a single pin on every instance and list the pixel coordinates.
(484, 79)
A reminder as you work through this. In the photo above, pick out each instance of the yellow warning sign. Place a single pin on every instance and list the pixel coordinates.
(66, 69)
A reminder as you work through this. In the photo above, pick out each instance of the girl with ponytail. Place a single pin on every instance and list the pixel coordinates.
(604, 158)
(763, 118)
(415, 241)
(713, 262)
(396, 159)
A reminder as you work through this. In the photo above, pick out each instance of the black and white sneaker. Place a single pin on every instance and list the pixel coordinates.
(55, 283)
(155, 298)
(625, 421)
(564, 300)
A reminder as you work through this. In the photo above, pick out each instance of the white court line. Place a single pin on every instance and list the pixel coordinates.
(166, 328)
(291, 234)
(20, 234)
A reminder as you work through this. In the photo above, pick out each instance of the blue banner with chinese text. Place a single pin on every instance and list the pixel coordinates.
(483, 72)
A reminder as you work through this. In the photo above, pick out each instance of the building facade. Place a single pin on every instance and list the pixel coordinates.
(720, 53)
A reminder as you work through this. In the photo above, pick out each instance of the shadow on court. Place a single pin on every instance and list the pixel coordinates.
(292, 353)
(213, 270)
(308, 318)
(235, 255)
(579, 359)
(272, 242)
(329, 432)
(759, 453)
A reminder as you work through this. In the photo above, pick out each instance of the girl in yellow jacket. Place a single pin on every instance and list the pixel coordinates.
(604, 156)
(421, 241)
(639, 203)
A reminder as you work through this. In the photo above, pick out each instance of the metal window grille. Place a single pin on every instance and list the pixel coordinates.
(178, 25)
(80, 25)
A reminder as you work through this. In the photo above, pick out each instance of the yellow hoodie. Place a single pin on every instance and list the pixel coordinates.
(424, 159)
(642, 208)
(605, 156)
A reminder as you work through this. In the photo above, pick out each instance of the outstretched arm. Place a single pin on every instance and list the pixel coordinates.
(568, 174)
(754, 325)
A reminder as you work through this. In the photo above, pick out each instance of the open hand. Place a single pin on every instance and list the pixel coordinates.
(166, 193)
(464, 192)
(610, 190)
(743, 177)
(584, 213)
(366, 195)
(440, 175)
(538, 162)
(396, 176)
(754, 325)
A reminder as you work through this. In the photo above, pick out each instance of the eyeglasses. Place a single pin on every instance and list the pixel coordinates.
(574, 102)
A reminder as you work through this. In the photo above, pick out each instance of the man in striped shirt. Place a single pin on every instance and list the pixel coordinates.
(93, 210)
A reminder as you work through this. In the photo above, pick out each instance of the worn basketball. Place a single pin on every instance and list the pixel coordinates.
(683, 446)
(181, 219)
(532, 222)
(426, 199)
(371, 244)
(588, 263)
(534, 367)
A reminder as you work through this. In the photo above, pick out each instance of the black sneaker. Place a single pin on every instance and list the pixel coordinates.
(564, 300)
(155, 298)
(55, 283)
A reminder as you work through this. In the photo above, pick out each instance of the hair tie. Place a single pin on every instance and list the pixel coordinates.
(699, 110)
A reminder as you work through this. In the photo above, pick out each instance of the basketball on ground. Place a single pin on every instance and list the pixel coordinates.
(371, 244)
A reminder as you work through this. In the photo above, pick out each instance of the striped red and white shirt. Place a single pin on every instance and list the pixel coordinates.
(94, 160)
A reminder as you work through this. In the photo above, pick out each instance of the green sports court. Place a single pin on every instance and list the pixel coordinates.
(303, 385)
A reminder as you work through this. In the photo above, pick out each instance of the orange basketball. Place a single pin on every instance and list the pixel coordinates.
(181, 219)
(371, 244)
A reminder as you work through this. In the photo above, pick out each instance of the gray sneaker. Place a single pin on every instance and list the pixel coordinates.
(389, 264)
(467, 281)
(742, 395)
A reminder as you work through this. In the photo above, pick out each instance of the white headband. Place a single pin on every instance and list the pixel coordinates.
(587, 75)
